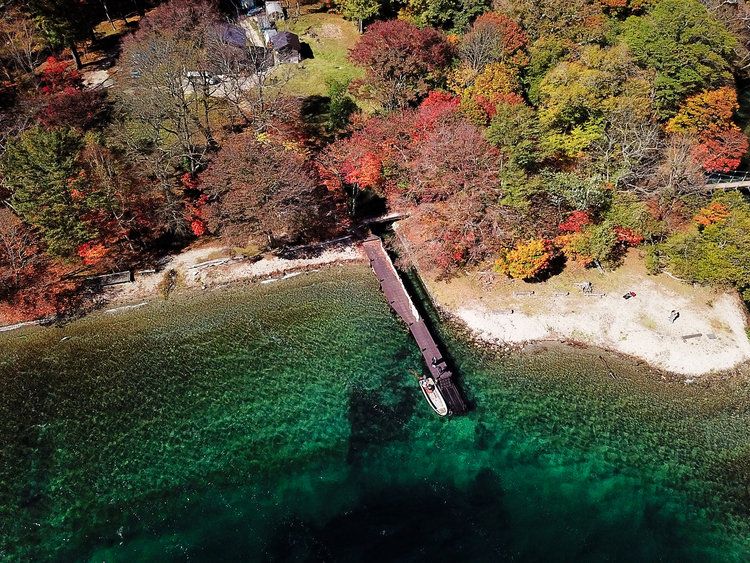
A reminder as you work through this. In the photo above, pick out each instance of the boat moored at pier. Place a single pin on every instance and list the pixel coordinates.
(433, 395)
(440, 374)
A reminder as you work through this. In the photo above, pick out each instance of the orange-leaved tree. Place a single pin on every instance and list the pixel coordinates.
(527, 260)
(712, 213)
(708, 111)
(709, 117)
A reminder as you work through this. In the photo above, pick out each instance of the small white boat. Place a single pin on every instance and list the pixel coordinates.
(433, 395)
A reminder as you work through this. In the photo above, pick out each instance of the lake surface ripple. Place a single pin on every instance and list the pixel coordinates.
(281, 423)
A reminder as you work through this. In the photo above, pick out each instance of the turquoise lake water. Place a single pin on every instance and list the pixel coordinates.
(281, 423)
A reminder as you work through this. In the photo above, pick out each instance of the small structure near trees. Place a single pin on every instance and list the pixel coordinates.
(266, 26)
(233, 35)
(275, 11)
(286, 47)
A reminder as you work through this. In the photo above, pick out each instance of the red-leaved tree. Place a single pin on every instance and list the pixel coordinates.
(64, 101)
(453, 157)
(435, 107)
(265, 193)
(721, 151)
(371, 159)
(401, 61)
(575, 222)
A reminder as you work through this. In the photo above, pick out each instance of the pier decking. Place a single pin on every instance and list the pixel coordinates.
(399, 300)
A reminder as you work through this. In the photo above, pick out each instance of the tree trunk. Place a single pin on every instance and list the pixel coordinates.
(106, 13)
(76, 55)
(361, 26)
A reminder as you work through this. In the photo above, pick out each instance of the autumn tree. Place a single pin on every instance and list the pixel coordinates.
(261, 191)
(677, 172)
(687, 48)
(359, 163)
(627, 222)
(735, 16)
(576, 97)
(455, 177)
(461, 231)
(721, 152)
(527, 260)
(436, 163)
(718, 251)
(709, 117)
(707, 111)
(715, 212)
(629, 149)
(454, 157)
(120, 206)
(18, 250)
(65, 23)
(401, 61)
(163, 88)
(491, 56)
(22, 47)
(493, 38)
(63, 101)
(579, 21)
(596, 244)
(497, 83)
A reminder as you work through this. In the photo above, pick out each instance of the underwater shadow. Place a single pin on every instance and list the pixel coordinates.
(377, 416)
(427, 521)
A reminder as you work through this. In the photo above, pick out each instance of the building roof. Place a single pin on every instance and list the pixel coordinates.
(232, 34)
(274, 6)
(264, 22)
(285, 40)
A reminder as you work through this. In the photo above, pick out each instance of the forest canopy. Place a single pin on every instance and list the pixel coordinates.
(519, 135)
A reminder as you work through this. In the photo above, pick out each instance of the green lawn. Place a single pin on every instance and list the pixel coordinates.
(330, 37)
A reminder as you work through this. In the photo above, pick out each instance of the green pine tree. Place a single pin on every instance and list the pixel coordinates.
(39, 168)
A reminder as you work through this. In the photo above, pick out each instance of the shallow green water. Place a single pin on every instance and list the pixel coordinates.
(281, 422)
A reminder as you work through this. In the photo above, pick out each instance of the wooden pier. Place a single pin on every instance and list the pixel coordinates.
(398, 298)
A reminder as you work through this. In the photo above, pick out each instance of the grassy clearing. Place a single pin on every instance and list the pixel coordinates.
(104, 28)
(330, 37)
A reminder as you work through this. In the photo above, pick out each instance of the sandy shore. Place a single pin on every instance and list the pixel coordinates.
(709, 335)
(211, 266)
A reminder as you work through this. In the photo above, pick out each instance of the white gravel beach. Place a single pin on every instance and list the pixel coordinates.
(718, 341)
(708, 336)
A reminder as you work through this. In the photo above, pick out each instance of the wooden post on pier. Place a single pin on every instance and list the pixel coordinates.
(398, 297)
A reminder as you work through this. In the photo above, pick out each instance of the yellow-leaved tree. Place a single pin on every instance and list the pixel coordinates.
(527, 260)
